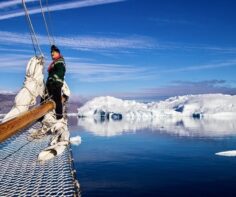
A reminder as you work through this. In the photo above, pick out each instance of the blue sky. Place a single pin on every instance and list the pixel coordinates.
(145, 49)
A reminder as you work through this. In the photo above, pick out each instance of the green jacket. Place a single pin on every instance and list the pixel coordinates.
(56, 71)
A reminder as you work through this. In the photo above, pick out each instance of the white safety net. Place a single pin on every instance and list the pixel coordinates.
(21, 174)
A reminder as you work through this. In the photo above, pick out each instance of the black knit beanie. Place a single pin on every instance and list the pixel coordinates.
(54, 48)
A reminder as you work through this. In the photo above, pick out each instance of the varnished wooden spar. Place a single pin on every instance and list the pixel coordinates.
(12, 126)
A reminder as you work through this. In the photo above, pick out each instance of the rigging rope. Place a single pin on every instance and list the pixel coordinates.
(50, 38)
(50, 22)
(32, 32)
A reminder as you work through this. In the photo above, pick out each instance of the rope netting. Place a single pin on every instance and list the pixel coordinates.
(22, 175)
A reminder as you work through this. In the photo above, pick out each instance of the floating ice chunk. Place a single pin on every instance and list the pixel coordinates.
(230, 153)
(76, 140)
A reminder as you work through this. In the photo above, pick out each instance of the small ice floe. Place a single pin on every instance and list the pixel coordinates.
(230, 153)
(75, 140)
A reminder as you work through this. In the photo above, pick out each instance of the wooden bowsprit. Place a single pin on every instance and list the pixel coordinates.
(14, 125)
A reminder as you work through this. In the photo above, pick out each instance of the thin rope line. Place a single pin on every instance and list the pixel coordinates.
(31, 36)
(31, 28)
(50, 22)
(45, 22)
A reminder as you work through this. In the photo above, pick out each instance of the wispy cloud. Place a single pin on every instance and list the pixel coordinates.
(97, 72)
(110, 72)
(57, 7)
(170, 21)
(86, 43)
(16, 63)
(154, 72)
(104, 44)
(79, 69)
(210, 48)
(188, 47)
(179, 88)
(190, 87)
(228, 63)
(13, 3)
(92, 42)
(88, 70)
(15, 50)
(10, 38)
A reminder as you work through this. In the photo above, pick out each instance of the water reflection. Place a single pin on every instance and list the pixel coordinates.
(175, 126)
(150, 163)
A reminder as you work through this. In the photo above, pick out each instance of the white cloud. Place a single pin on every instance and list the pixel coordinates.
(9, 38)
(179, 88)
(94, 72)
(88, 70)
(77, 68)
(211, 48)
(58, 7)
(109, 72)
(93, 43)
(13, 63)
(227, 63)
(170, 21)
(13, 3)
(105, 44)
(15, 50)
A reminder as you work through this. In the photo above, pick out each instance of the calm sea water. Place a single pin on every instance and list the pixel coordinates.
(174, 159)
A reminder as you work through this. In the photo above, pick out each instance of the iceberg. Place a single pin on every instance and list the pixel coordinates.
(207, 115)
(230, 153)
(217, 106)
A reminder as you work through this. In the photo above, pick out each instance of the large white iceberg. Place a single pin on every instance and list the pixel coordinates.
(217, 106)
(207, 115)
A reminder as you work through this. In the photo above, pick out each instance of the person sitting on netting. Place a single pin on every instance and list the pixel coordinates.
(55, 80)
